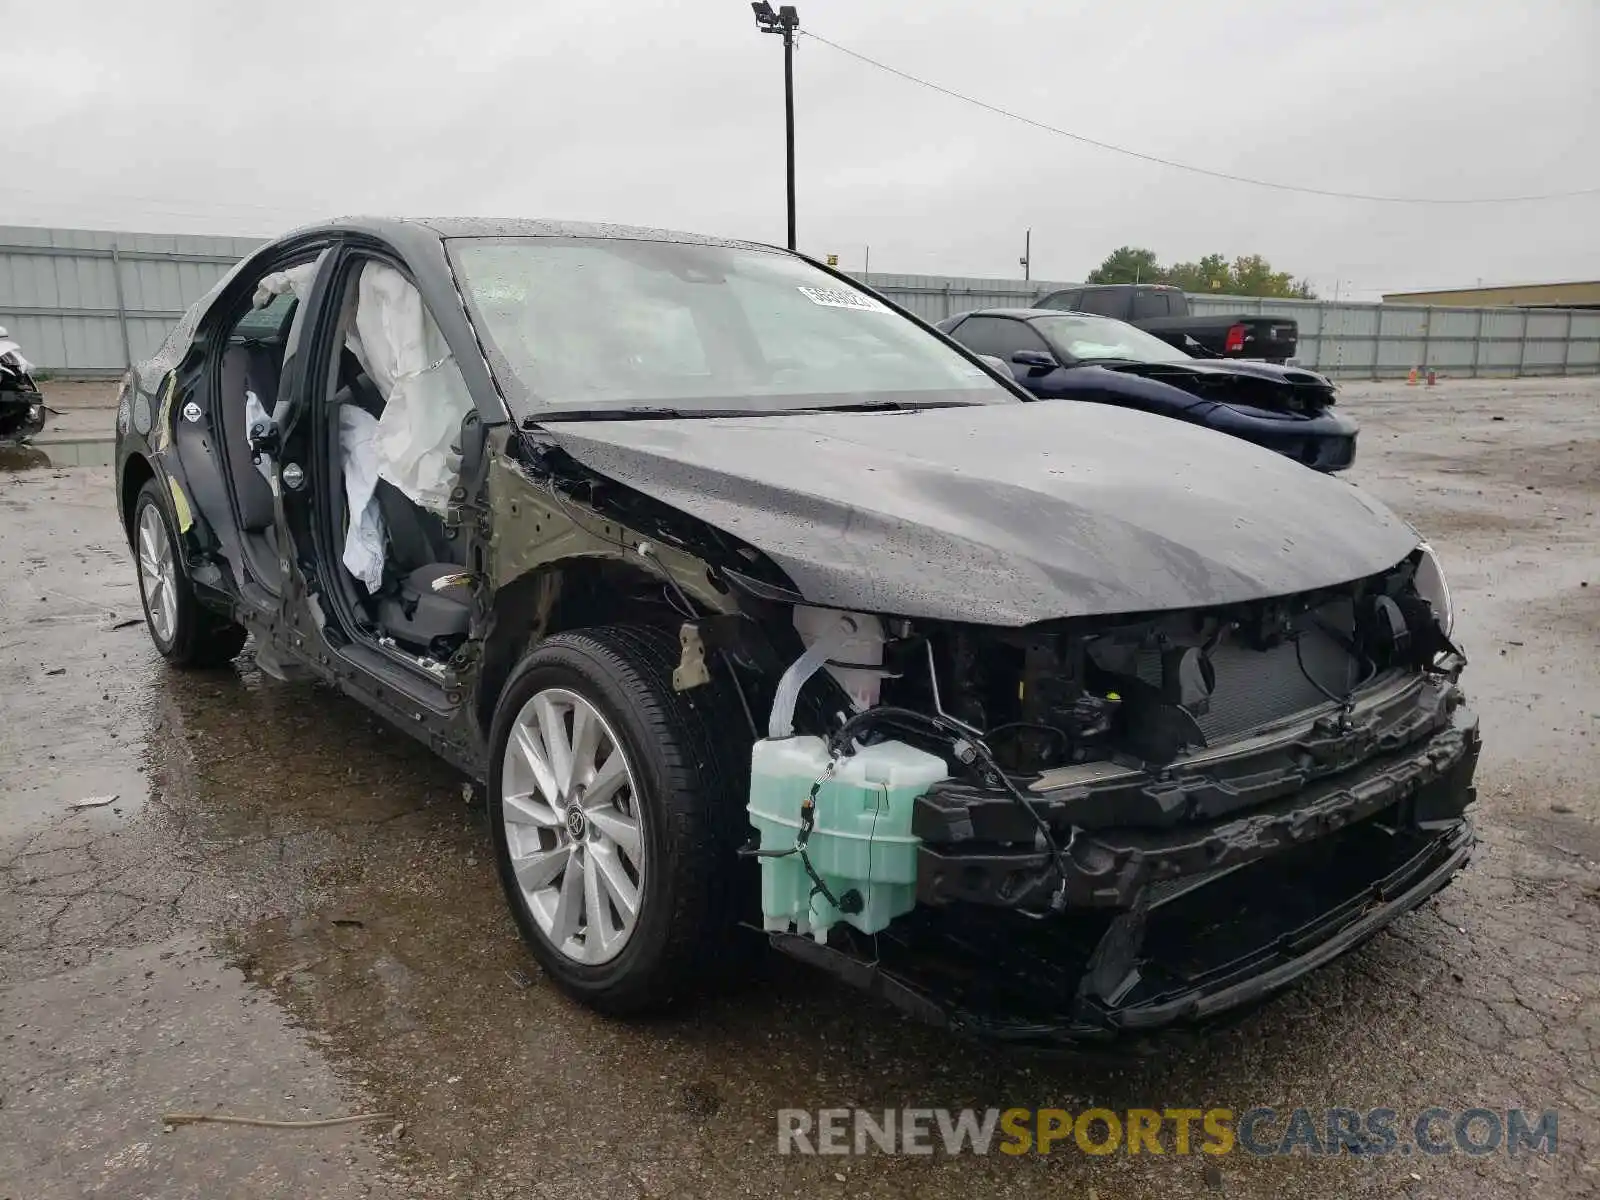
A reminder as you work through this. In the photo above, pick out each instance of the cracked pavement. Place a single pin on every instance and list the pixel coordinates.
(290, 911)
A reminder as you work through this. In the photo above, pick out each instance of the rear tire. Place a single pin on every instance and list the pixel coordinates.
(565, 854)
(184, 633)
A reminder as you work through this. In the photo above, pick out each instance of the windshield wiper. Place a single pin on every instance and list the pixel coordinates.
(884, 406)
(552, 416)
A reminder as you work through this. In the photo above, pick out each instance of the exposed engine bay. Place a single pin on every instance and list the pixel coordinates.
(1117, 770)
(1072, 692)
(1072, 827)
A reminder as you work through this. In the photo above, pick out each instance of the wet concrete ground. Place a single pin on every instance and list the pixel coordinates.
(290, 911)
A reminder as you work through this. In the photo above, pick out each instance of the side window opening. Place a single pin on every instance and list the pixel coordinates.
(254, 349)
(980, 334)
(999, 336)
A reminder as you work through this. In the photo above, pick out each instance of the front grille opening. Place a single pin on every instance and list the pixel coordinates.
(1015, 976)
(1277, 908)
(1257, 687)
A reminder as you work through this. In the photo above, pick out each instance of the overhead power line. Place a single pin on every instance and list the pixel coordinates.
(1190, 167)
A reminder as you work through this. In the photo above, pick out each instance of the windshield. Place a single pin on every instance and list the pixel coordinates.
(1091, 339)
(586, 324)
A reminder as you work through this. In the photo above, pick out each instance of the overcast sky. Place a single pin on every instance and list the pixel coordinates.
(222, 117)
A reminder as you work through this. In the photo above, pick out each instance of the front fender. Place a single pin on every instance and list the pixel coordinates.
(1112, 387)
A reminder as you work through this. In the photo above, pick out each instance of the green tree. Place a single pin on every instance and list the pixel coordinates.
(1254, 276)
(1127, 264)
(1247, 275)
(1211, 274)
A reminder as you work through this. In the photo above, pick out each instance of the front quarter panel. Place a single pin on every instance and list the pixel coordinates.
(1129, 391)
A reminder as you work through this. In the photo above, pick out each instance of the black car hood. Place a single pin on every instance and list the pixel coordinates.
(1267, 385)
(1004, 514)
(1260, 370)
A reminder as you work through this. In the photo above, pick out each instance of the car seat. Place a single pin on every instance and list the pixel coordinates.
(418, 553)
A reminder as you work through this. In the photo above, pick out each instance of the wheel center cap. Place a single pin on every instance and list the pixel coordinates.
(577, 823)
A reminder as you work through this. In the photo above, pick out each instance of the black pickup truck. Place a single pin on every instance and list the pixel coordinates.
(1164, 311)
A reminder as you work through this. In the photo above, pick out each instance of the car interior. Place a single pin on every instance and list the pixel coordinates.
(417, 603)
(407, 595)
(252, 364)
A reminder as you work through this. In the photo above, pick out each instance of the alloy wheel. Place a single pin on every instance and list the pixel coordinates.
(573, 826)
(158, 572)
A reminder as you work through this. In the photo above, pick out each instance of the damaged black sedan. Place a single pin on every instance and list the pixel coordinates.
(758, 606)
(1080, 356)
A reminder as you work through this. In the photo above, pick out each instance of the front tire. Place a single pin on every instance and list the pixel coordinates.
(615, 807)
(184, 633)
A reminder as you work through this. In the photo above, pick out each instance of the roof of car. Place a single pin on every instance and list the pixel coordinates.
(1025, 314)
(492, 227)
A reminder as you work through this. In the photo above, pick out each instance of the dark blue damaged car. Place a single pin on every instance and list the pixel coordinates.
(1080, 356)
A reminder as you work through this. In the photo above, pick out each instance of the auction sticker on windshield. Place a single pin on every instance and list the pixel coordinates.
(838, 298)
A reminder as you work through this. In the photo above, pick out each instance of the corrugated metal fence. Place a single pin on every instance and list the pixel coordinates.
(1367, 341)
(1385, 341)
(87, 302)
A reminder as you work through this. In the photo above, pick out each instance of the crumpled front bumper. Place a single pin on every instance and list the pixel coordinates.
(1179, 924)
(1290, 953)
(1220, 811)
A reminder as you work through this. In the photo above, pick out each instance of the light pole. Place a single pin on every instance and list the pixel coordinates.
(785, 21)
(1026, 261)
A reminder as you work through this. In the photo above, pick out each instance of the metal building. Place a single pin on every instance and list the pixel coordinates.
(1517, 295)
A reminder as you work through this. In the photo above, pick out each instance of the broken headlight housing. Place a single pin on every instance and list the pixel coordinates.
(1431, 585)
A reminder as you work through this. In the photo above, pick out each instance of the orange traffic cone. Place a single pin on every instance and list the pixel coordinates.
(1411, 379)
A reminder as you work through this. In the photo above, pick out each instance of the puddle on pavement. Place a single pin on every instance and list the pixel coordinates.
(381, 926)
(22, 458)
(279, 791)
(156, 1028)
(34, 456)
(336, 863)
(75, 660)
(333, 860)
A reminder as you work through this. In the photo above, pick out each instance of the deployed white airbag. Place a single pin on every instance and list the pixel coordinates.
(295, 279)
(363, 543)
(425, 396)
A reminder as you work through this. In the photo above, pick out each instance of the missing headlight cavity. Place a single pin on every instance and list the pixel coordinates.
(1070, 692)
